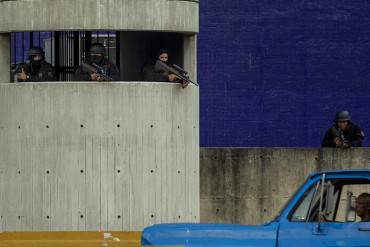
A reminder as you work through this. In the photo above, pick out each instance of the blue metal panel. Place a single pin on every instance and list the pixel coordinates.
(347, 173)
(303, 234)
(273, 73)
(280, 232)
(210, 235)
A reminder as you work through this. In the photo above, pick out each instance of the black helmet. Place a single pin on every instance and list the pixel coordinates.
(34, 51)
(342, 116)
(97, 48)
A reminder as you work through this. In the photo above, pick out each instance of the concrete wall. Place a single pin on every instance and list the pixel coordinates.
(250, 185)
(156, 15)
(94, 156)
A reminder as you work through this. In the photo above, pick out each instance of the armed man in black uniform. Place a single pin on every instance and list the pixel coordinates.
(37, 69)
(98, 68)
(150, 73)
(344, 133)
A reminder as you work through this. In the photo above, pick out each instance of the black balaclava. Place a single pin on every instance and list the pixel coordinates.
(96, 59)
(35, 64)
(160, 52)
(97, 48)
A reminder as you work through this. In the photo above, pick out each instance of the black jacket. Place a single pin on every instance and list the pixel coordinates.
(150, 74)
(353, 134)
(109, 68)
(45, 73)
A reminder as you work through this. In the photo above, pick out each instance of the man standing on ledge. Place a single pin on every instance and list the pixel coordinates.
(344, 133)
(97, 61)
(37, 69)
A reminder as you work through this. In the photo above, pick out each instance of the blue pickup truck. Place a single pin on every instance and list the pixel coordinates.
(321, 213)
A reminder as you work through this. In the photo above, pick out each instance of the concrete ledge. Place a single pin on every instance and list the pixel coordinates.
(98, 156)
(140, 15)
(250, 185)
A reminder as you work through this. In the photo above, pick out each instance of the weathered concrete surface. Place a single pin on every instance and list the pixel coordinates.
(250, 185)
(190, 56)
(4, 58)
(52, 15)
(97, 156)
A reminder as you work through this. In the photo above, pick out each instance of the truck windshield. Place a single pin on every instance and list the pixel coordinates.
(288, 202)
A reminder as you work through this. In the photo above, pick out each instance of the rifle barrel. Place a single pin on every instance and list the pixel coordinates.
(179, 72)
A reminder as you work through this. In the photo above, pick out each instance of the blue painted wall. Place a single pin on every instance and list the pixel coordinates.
(273, 73)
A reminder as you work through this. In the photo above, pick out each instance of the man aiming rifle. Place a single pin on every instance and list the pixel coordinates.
(344, 133)
(97, 68)
(36, 70)
(160, 70)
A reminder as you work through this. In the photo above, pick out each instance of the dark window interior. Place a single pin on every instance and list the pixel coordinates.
(130, 51)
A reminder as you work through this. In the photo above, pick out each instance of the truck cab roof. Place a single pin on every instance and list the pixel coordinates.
(341, 172)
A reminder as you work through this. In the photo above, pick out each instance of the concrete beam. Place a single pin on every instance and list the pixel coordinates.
(4, 58)
(136, 15)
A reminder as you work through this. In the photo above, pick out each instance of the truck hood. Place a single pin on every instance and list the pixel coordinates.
(210, 235)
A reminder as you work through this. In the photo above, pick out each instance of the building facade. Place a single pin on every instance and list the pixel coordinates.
(275, 73)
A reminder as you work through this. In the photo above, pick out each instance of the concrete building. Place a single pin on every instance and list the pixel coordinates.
(96, 156)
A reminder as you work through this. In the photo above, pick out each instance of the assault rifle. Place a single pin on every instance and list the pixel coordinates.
(96, 69)
(176, 70)
(338, 133)
(17, 70)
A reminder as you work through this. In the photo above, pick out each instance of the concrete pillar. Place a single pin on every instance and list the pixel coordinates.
(5, 58)
(190, 55)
